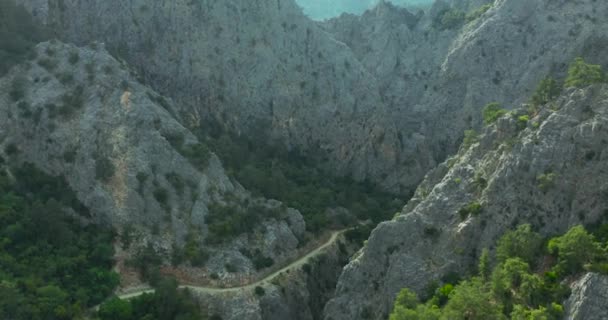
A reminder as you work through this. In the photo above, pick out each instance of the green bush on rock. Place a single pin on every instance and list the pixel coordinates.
(547, 90)
(491, 112)
(583, 74)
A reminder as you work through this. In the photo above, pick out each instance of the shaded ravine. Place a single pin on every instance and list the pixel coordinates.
(213, 290)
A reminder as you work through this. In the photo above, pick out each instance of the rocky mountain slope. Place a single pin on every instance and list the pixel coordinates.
(79, 113)
(436, 73)
(260, 68)
(588, 297)
(383, 97)
(548, 170)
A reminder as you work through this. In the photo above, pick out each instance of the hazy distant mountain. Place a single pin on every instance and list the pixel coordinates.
(324, 9)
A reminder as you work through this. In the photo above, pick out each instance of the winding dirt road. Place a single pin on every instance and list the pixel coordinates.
(211, 290)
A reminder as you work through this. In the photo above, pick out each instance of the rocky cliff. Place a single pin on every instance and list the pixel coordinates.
(383, 97)
(548, 171)
(588, 298)
(436, 71)
(258, 67)
(79, 113)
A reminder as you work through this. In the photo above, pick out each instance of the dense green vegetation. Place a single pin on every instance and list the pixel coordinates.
(520, 286)
(51, 265)
(228, 221)
(19, 33)
(450, 19)
(294, 179)
(475, 14)
(547, 90)
(454, 18)
(474, 208)
(197, 154)
(583, 74)
(470, 137)
(491, 112)
(166, 303)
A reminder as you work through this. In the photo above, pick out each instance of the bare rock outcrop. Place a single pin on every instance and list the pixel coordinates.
(588, 298)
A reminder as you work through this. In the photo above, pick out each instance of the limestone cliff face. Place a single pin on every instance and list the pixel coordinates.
(383, 97)
(436, 80)
(259, 67)
(588, 298)
(549, 172)
(79, 113)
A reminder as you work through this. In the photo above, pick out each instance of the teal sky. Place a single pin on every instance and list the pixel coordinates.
(324, 9)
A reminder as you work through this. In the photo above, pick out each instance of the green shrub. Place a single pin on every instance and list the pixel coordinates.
(90, 70)
(479, 181)
(478, 12)
(71, 102)
(74, 57)
(547, 90)
(483, 267)
(11, 149)
(146, 261)
(522, 122)
(104, 168)
(48, 64)
(162, 197)
(230, 267)
(450, 19)
(198, 154)
(470, 138)
(176, 181)
(108, 70)
(66, 78)
(582, 74)
(167, 302)
(259, 291)
(520, 243)
(127, 236)
(17, 91)
(474, 208)
(491, 112)
(230, 220)
(261, 262)
(115, 309)
(70, 155)
(24, 109)
(575, 249)
(194, 252)
(141, 177)
(307, 268)
(546, 181)
(19, 33)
